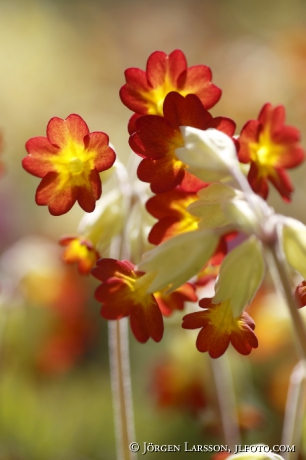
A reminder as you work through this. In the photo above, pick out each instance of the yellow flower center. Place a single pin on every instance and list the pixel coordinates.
(266, 153)
(73, 164)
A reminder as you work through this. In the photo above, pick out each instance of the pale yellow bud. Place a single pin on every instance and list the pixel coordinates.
(240, 276)
(178, 259)
(294, 244)
(209, 154)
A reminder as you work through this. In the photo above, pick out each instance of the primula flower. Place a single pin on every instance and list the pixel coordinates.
(157, 138)
(173, 387)
(123, 292)
(170, 208)
(79, 250)
(270, 147)
(175, 300)
(144, 92)
(68, 160)
(219, 328)
(178, 259)
(300, 294)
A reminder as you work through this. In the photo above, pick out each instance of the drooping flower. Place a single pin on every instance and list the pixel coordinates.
(178, 259)
(300, 294)
(123, 292)
(270, 147)
(175, 300)
(157, 138)
(145, 91)
(81, 251)
(68, 160)
(219, 328)
(170, 208)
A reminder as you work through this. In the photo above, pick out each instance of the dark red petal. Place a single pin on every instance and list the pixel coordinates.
(147, 321)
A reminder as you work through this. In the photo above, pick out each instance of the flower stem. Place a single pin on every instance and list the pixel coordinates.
(121, 388)
(281, 281)
(294, 410)
(226, 400)
(292, 428)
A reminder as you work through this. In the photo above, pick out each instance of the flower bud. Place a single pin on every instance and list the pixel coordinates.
(240, 276)
(294, 244)
(209, 154)
(178, 259)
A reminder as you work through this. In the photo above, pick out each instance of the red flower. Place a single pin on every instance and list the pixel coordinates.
(173, 387)
(300, 294)
(219, 328)
(157, 138)
(175, 300)
(171, 210)
(123, 292)
(68, 160)
(271, 147)
(144, 92)
(80, 251)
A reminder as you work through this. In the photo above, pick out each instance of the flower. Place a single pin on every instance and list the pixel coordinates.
(68, 160)
(247, 260)
(176, 260)
(270, 147)
(170, 208)
(219, 328)
(144, 92)
(123, 292)
(157, 139)
(173, 387)
(300, 294)
(175, 300)
(210, 155)
(79, 250)
(293, 238)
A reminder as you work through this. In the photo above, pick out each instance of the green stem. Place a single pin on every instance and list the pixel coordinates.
(294, 410)
(121, 388)
(281, 281)
(292, 429)
(226, 400)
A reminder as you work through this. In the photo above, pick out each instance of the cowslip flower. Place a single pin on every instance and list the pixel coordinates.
(300, 294)
(170, 208)
(270, 147)
(219, 328)
(81, 251)
(123, 292)
(157, 139)
(68, 160)
(175, 300)
(178, 259)
(145, 91)
(173, 387)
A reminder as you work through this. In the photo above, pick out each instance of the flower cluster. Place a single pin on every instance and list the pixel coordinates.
(200, 201)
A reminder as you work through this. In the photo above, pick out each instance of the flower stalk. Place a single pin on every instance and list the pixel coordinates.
(226, 401)
(121, 388)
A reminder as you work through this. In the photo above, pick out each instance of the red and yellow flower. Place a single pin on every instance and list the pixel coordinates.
(79, 250)
(156, 139)
(219, 328)
(175, 300)
(68, 160)
(145, 91)
(270, 147)
(170, 208)
(123, 292)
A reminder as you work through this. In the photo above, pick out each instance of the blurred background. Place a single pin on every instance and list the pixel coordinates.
(68, 56)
